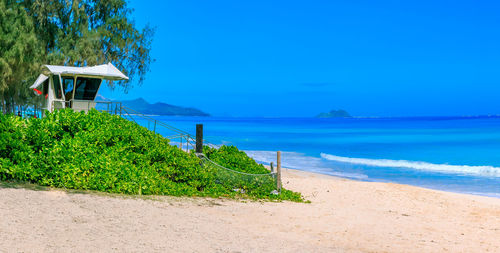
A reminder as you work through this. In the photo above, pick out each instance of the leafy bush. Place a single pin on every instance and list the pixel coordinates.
(103, 152)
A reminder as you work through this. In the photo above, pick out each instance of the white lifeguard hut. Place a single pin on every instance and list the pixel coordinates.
(73, 87)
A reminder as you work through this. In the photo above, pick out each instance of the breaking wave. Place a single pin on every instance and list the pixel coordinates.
(416, 165)
(299, 161)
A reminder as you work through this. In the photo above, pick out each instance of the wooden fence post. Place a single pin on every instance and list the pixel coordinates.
(199, 138)
(278, 170)
(272, 167)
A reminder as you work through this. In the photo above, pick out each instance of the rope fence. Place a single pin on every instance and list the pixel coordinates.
(241, 181)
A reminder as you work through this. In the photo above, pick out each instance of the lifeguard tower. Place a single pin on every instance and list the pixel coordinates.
(73, 87)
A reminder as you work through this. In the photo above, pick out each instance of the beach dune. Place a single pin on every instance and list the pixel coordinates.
(343, 216)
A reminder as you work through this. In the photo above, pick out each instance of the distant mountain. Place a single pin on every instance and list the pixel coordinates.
(334, 114)
(142, 106)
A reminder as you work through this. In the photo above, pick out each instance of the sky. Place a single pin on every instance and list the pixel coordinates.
(265, 58)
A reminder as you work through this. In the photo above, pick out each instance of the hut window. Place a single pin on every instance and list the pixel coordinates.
(68, 85)
(86, 88)
(57, 86)
(45, 87)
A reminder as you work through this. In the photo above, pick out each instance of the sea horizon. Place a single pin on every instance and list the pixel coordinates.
(352, 117)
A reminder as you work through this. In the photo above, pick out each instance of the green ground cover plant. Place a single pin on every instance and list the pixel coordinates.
(103, 152)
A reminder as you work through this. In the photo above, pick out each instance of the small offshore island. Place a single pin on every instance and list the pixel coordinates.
(334, 114)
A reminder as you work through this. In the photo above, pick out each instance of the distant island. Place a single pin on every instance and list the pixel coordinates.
(142, 106)
(334, 114)
(160, 108)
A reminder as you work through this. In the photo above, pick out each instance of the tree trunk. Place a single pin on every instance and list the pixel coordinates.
(13, 106)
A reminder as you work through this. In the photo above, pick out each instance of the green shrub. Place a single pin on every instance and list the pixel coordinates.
(103, 152)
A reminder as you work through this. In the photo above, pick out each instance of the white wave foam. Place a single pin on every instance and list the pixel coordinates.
(294, 160)
(444, 168)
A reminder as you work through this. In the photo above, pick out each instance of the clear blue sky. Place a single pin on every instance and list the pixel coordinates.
(298, 58)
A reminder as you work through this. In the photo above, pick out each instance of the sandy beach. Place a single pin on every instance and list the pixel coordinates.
(343, 216)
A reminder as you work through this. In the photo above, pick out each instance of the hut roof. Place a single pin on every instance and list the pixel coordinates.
(104, 71)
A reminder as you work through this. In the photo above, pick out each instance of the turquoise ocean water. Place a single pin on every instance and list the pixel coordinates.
(459, 154)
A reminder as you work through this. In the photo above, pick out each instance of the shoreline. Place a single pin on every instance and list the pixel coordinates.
(493, 195)
(331, 177)
(344, 216)
(455, 175)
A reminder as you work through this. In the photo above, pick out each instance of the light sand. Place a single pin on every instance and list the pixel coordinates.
(344, 216)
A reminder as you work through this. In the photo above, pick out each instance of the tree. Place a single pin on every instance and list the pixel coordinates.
(90, 32)
(19, 54)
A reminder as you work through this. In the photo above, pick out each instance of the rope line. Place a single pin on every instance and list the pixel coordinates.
(203, 157)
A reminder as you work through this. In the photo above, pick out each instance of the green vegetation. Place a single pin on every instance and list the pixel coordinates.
(19, 52)
(103, 152)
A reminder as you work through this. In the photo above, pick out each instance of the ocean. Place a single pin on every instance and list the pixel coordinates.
(458, 154)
